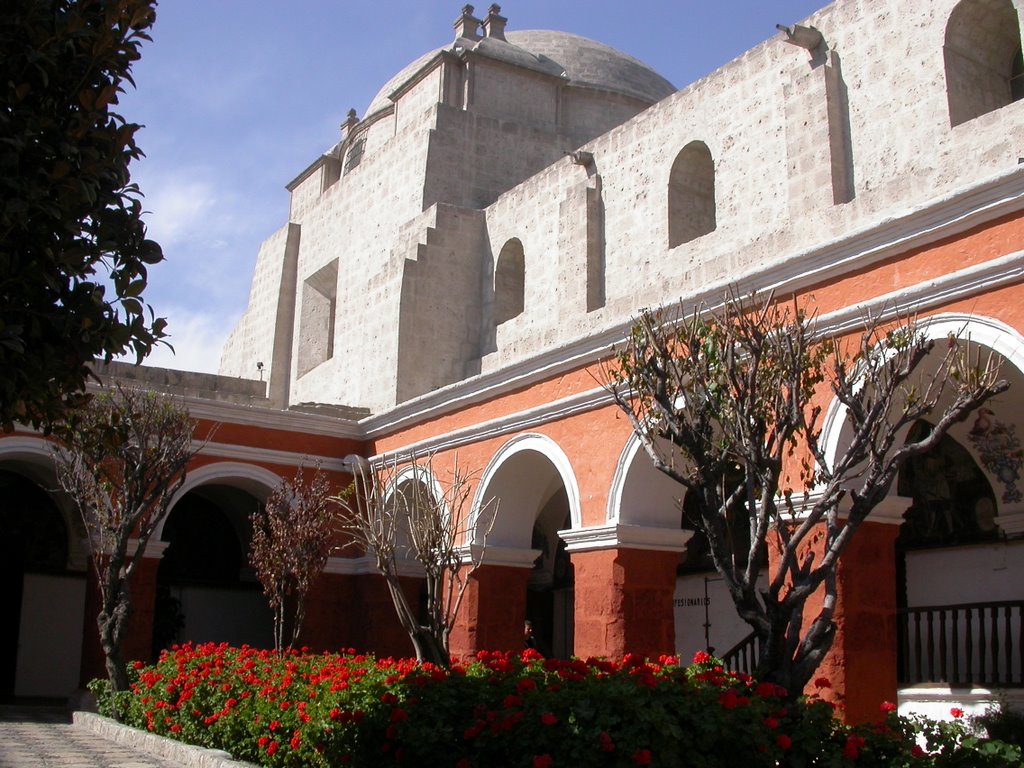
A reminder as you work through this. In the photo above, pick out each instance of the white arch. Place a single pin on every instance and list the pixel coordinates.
(1001, 338)
(251, 478)
(626, 458)
(419, 474)
(37, 450)
(37, 454)
(652, 508)
(545, 446)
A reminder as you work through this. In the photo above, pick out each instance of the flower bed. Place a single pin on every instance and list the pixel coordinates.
(503, 709)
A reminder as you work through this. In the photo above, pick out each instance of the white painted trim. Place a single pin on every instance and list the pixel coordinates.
(622, 467)
(419, 473)
(508, 557)
(269, 456)
(246, 414)
(367, 566)
(232, 471)
(224, 473)
(518, 421)
(37, 450)
(544, 445)
(617, 536)
(272, 418)
(350, 566)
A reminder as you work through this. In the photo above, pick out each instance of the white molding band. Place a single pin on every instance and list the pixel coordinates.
(365, 565)
(617, 536)
(509, 557)
(269, 456)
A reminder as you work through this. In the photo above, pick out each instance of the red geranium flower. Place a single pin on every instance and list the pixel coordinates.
(783, 741)
(853, 746)
(542, 761)
(642, 757)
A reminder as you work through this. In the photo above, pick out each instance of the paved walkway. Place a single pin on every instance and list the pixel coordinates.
(44, 737)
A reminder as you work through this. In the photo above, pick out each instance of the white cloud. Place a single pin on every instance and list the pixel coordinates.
(179, 208)
(197, 338)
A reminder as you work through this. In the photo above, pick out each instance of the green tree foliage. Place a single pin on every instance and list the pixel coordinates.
(728, 404)
(123, 458)
(73, 246)
(291, 541)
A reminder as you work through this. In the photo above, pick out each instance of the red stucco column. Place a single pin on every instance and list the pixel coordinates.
(379, 630)
(862, 662)
(330, 622)
(624, 602)
(493, 611)
(138, 641)
(92, 665)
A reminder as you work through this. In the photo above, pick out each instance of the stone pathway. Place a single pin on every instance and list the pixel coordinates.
(44, 737)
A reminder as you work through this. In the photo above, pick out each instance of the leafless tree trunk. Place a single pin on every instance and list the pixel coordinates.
(727, 403)
(122, 460)
(402, 513)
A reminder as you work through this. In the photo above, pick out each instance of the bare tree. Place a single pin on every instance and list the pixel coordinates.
(122, 460)
(727, 403)
(291, 541)
(400, 514)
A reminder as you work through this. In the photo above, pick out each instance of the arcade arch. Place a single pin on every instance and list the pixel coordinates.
(42, 575)
(534, 486)
(205, 588)
(644, 497)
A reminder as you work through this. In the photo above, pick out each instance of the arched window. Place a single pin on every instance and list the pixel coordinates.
(983, 58)
(691, 194)
(509, 282)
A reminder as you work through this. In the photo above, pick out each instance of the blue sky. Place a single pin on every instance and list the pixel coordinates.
(238, 97)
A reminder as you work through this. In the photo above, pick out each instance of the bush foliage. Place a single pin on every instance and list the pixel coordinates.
(501, 709)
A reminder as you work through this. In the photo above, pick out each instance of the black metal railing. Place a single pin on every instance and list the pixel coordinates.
(742, 657)
(965, 644)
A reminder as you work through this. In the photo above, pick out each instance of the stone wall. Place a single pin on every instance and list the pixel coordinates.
(820, 133)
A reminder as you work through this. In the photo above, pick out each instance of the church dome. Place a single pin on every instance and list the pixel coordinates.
(578, 60)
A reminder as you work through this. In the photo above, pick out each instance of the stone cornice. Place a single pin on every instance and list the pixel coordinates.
(1005, 270)
(365, 565)
(616, 536)
(273, 418)
(270, 456)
